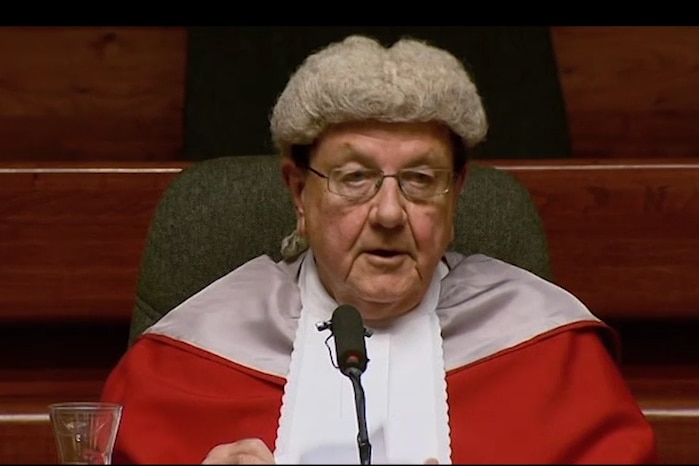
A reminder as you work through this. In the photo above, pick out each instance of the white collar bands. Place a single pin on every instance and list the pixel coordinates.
(404, 384)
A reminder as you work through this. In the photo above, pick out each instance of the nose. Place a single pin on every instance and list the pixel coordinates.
(388, 205)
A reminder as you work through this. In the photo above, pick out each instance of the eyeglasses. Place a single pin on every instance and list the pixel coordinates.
(361, 184)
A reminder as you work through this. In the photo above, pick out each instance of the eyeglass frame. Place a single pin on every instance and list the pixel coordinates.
(379, 182)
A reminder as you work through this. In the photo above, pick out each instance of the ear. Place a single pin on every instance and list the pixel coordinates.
(459, 183)
(460, 179)
(295, 180)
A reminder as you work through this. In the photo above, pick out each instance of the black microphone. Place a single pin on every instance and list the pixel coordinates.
(350, 347)
(347, 327)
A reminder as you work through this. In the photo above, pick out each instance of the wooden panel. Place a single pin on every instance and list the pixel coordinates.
(630, 91)
(624, 237)
(669, 394)
(26, 440)
(92, 93)
(43, 363)
(72, 241)
(25, 432)
(677, 438)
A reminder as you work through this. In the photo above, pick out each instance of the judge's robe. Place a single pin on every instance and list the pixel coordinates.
(531, 374)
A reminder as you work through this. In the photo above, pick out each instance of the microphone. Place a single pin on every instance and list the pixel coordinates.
(350, 347)
(348, 330)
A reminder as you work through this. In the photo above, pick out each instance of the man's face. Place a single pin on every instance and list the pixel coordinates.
(379, 254)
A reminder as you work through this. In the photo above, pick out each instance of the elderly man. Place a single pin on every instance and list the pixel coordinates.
(471, 359)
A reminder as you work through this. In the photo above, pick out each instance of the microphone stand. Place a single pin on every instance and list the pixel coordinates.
(355, 375)
(346, 325)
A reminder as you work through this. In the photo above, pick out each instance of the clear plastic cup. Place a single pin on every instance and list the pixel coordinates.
(85, 432)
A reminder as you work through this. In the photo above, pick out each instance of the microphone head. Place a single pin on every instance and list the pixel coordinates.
(350, 346)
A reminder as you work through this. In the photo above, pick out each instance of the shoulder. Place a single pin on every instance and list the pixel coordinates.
(247, 316)
(487, 306)
(481, 269)
(478, 275)
(247, 291)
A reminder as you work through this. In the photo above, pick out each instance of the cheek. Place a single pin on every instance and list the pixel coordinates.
(333, 226)
(432, 230)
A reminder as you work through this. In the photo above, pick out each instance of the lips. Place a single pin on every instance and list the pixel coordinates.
(385, 252)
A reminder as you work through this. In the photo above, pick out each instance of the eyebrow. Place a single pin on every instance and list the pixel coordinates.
(351, 154)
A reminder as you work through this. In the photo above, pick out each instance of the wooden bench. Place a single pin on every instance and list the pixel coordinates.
(624, 237)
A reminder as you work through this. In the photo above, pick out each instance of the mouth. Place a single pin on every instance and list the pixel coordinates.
(386, 260)
(387, 253)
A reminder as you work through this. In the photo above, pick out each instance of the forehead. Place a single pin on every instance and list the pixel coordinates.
(382, 142)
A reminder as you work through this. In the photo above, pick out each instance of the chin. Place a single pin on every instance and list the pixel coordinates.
(383, 316)
(382, 296)
(385, 304)
(386, 295)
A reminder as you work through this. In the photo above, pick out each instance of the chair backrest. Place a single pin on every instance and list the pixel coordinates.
(221, 212)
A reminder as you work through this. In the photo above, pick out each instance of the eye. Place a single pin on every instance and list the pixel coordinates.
(354, 176)
(419, 177)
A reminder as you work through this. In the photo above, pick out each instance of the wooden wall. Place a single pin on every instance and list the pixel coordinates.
(117, 93)
(91, 93)
(631, 91)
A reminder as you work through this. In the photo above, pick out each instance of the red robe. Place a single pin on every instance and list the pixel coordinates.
(556, 398)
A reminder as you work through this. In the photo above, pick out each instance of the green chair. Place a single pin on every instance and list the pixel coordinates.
(221, 212)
